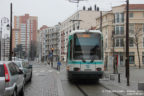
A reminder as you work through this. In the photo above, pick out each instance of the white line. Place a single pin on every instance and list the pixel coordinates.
(42, 71)
(50, 70)
(58, 72)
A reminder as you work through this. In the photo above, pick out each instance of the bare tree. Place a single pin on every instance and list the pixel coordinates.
(33, 50)
(137, 39)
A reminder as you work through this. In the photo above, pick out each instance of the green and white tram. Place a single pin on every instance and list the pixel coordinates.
(85, 55)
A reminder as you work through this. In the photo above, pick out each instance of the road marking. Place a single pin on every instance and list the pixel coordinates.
(42, 92)
(42, 71)
(50, 70)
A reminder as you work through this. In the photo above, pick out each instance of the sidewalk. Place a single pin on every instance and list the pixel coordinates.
(110, 81)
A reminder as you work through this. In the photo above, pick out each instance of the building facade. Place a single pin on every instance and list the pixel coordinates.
(25, 31)
(53, 42)
(114, 33)
(5, 48)
(83, 20)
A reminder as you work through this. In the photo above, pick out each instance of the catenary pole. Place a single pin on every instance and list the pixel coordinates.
(10, 54)
(127, 42)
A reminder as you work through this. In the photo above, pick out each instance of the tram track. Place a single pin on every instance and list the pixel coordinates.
(86, 94)
(81, 90)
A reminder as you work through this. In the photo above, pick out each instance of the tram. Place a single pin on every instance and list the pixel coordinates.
(85, 55)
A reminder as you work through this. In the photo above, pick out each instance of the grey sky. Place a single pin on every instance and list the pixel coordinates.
(50, 12)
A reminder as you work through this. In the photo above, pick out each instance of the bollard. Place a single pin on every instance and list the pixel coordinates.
(118, 77)
(112, 77)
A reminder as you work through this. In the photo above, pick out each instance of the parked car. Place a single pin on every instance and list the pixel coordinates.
(26, 68)
(11, 79)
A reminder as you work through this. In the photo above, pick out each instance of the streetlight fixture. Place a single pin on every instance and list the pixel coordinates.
(76, 1)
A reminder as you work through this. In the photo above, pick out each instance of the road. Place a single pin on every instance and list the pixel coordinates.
(48, 81)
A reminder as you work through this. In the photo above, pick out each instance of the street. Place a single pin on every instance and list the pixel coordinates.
(48, 81)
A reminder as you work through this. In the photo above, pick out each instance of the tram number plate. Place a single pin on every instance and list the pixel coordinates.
(87, 69)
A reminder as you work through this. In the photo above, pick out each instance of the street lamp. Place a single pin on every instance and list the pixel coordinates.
(76, 1)
(4, 20)
(52, 49)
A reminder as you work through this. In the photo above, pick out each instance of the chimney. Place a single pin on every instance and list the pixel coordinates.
(90, 8)
(84, 7)
(95, 7)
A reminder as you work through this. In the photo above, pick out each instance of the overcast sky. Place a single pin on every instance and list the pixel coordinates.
(50, 12)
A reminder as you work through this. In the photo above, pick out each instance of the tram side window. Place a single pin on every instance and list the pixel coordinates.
(70, 49)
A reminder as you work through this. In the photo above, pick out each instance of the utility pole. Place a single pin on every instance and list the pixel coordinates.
(0, 39)
(101, 21)
(127, 42)
(52, 49)
(4, 49)
(10, 54)
(114, 70)
(73, 21)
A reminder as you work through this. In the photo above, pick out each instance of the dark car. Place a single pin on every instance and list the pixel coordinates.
(26, 68)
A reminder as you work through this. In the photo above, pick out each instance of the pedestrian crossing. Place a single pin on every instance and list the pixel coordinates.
(45, 69)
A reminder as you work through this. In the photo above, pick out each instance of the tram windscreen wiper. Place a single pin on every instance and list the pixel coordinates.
(83, 60)
(92, 59)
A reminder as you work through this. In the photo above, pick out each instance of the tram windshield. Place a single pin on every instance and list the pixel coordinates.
(87, 46)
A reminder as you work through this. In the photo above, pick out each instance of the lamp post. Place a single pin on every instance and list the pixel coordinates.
(4, 20)
(10, 54)
(52, 49)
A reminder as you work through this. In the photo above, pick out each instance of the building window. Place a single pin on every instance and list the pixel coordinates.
(143, 42)
(143, 27)
(131, 42)
(131, 58)
(119, 30)
(106, 43)
(143, 57)
(131, 28)
(122, 17)
(119, 42)
(119, 17)
(131, 15)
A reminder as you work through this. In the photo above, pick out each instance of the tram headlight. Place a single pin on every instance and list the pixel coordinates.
(98, 69)
(76, 69)
(67, 68)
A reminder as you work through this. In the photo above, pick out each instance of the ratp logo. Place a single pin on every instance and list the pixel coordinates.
(87, 66)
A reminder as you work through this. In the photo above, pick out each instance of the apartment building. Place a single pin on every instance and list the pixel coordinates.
(25, 31)
(83, 19)
(53, 41)
(42, 40)
(114, 31)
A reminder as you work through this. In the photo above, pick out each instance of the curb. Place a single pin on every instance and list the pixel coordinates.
(111, 89)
